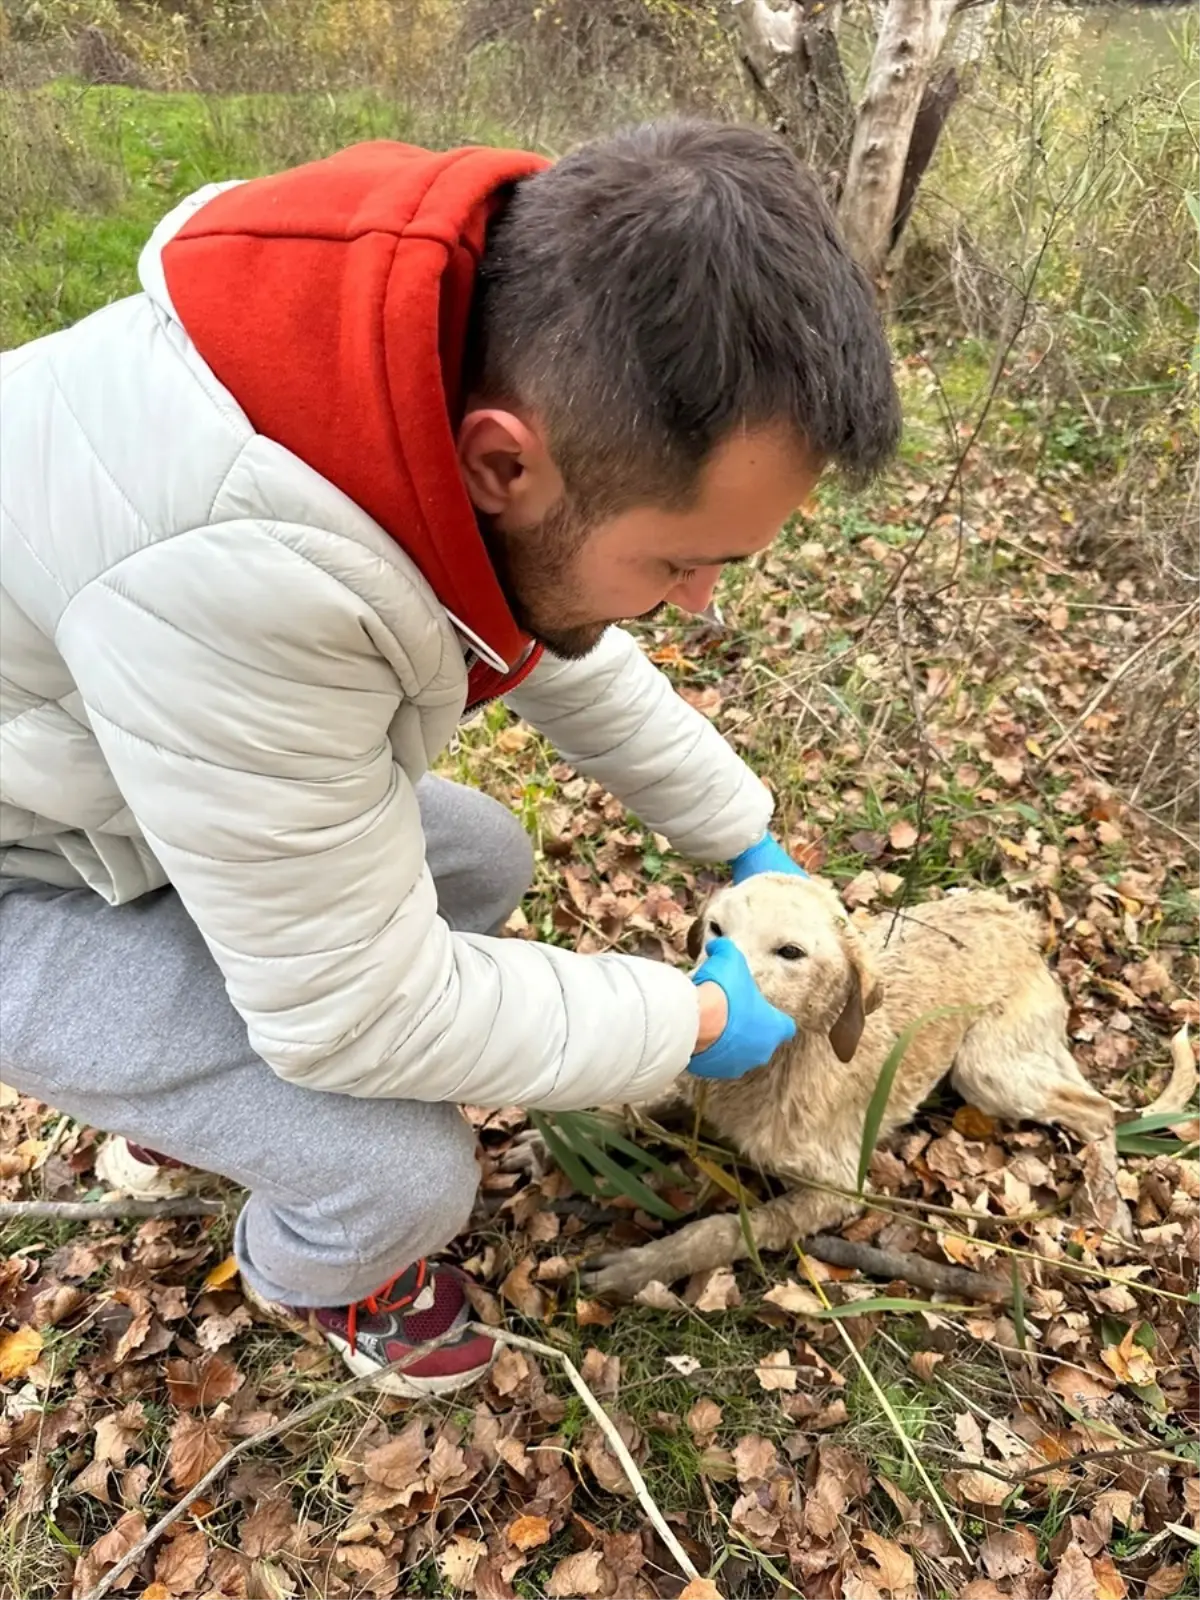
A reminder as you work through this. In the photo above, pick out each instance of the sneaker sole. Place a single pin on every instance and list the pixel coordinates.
(398, 1383)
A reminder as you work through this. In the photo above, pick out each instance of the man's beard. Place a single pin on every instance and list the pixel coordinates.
(535, 568)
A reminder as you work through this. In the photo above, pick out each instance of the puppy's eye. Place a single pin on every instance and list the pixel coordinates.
(715, 929)
(790, 952)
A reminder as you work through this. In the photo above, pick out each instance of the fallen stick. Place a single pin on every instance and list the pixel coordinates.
(103, 1210)
(355, 1386)
(922, 1273)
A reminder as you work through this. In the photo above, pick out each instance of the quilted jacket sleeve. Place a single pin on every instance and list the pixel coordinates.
(245, 698)
(615, 716)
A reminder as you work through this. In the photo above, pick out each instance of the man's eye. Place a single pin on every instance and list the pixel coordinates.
(715, 929)
(790, 952)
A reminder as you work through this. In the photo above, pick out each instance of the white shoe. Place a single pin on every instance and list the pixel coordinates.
(126, 1171)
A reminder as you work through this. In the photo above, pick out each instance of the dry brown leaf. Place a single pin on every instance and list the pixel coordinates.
(118, 1432)
(1009, 1552)
(700, 1589)
(775, 1371)
(93, 1480)
(1132, 1363)
(520, 1290)
(923, 1363)
(583, 1574)
(196, 1446)
(716, 1290)
(1083, 1390)
(597, 1453)
(1164, 1583)
(527, 1532)
(895, 1573)
(269, 1527)
(973, 1123)
(1074, 1579)
(593, 1314)
(270, 1581)
(601, 1373)
(120, 1539)
(18, 1352)
(397, 1464)
(755, 1458)
(1183, 1080)
(181, 1561)
(154, 1591)
(982, 1589)
(1110, 1585)
(794, 1297)
(704, 1418)
(459, 1559)
(194, 1385)
(509, 1371)
(902, 835)
(977, 1488)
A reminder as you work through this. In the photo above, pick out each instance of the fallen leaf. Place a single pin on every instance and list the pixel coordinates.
(583, 1574)
(973, 1123)
(794, 1297)
(895, 1572)
(714, 1291)
(1074, 1579)
(196, 1447)
(860, 891)
(520, 1290)
(269, 1527)
(601, 1459)
(700, 1589)
(755, 1458)
(93, 1480)
(978, 1488)
(194, 1385)
(527, 1532)
(593, 1313)
(181, 1561)
(775, 1371)
(704, 1417)
(459, 1559)
(684, 1364)
(902, 835)
(398, 1464)
(1009, 1552)
(923, 1363)
(19, 1351)
(118, 1432)
(509, 1371)
(1110, 1585)
(1081, 1389)
(1131, 1362)
(223, 1273)
(155, 1591)
(120, 1539)
(1164, 1583)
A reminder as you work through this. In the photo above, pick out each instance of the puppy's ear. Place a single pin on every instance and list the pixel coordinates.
(865, 995)
(695, 939)
(847, 1030)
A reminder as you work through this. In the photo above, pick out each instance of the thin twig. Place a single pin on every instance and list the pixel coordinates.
(935, 1276)
(1081, 1456)
(1114, 678)
(102, 1210)
(354, 1386)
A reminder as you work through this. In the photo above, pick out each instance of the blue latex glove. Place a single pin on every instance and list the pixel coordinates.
(768, 855)
(755, 1028)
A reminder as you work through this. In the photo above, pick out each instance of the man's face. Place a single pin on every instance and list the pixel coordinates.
(566, 582)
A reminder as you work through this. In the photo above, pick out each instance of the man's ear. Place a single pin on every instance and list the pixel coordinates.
(695, 939)
(506, 467)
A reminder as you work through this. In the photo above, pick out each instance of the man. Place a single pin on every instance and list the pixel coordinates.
(381, 438)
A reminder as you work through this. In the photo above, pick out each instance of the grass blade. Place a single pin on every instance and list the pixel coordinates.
(572, 1144)
(887, 1074)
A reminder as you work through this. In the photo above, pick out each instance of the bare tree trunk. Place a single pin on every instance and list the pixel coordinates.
(910, 40)
(792, 58)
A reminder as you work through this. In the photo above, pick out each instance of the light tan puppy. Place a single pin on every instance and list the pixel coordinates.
(995, 1020)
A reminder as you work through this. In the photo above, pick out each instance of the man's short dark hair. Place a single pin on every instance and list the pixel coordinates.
(655, 290)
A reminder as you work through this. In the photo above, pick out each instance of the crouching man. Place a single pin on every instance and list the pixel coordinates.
(382, 438)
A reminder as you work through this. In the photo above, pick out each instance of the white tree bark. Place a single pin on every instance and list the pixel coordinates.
(910, 39)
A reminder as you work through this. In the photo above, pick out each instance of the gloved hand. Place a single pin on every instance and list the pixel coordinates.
(755, 1028)
(768, 855)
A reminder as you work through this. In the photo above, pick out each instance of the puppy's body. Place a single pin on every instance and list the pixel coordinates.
(968, 970)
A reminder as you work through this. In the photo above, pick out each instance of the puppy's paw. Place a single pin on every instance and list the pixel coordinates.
(620, 1274)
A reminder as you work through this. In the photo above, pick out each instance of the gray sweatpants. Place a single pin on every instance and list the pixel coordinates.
(119, 1017)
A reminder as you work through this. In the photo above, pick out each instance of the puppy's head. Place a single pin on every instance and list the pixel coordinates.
(801, 950)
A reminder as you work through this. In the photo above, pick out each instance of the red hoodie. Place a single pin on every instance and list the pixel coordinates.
(332, 302)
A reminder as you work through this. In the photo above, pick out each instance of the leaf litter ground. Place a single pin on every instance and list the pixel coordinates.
(912, 696)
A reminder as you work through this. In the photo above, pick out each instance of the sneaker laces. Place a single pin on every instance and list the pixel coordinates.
(376, 1305)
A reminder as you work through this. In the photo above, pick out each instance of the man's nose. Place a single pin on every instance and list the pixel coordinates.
(696, 593)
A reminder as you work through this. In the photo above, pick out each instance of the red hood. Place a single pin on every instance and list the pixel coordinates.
(332, 302)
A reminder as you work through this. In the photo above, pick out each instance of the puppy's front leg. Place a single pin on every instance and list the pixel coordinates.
(715, 1242)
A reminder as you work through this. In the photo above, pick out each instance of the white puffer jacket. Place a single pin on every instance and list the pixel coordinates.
(219, 673)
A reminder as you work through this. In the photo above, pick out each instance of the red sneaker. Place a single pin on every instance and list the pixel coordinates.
(421, 1303)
